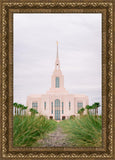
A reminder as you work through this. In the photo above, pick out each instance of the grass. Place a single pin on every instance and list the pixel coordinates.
(28, 129)
(84, 132)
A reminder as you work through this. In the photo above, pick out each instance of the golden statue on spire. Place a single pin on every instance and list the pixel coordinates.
(57, 43)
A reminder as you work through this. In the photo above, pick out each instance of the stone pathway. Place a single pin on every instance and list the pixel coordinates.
(56, 138)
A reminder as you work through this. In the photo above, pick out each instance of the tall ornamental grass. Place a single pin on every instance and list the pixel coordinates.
(28, 129)
(84, 132)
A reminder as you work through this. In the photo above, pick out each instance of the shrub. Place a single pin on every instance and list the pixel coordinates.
(28, 129)
(84, 132)
(72, 117)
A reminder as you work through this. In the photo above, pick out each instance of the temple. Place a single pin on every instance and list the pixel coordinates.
(57, 103)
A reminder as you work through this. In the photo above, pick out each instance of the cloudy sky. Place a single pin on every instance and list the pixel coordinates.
(79, 37)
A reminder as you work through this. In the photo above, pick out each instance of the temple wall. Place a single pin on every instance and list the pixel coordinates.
(68, 111)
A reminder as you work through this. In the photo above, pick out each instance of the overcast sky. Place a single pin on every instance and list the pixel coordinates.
(79, 37)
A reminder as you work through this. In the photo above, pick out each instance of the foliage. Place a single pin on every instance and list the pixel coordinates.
(81, 111)
(15, 106)
(33, 111)
(19, 108)
(72, 117)
(28, 129)
(84, 132)
(94, 106)
(88, 108)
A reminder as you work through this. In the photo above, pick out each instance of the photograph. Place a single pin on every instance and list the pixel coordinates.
(57, 80)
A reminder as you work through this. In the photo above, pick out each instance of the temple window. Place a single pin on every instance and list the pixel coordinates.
(69, 105)
(79, 105)
(51, 107)
(57, 82)
(44, 105)
(34, 105)
(62, 107)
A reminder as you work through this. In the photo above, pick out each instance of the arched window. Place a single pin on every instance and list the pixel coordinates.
(79, 105)
(69, 105)
(34, 105)
(62, 107)
(44, 105)
(57, 109)
(57, 83)
(51, 107)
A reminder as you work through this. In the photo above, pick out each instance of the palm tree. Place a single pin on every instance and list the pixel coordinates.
(20, 108)
(25, 107)
(81, 111)
(88, 108)
(15, 106)
(95, 106)
(33, 111)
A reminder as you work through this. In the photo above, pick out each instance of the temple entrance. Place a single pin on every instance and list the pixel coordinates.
(63, 117)
(51, 117)
(57, 109)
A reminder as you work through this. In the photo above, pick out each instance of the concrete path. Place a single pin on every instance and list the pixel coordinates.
(56, 138)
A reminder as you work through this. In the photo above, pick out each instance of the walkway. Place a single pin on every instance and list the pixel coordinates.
(56, 138)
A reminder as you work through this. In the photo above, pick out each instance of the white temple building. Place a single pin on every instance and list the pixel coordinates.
(57, 103)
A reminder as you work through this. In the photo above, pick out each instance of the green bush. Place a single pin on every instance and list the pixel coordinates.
(72, 117)
(28, 129)
(84, 132)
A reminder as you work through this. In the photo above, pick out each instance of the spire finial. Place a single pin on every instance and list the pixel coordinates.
(57, 43)
(57, 49)
(57, 63)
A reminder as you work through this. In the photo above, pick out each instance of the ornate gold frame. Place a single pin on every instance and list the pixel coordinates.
(7, 8)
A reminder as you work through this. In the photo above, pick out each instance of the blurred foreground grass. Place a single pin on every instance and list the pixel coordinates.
(84, 132)
(28, 129)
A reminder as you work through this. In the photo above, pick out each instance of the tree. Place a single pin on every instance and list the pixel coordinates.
(25, 107)
(72, 117)
(20, 108)
(81, 111)
(15, 106)
(95, 106)
(88, 108)
(33, 111)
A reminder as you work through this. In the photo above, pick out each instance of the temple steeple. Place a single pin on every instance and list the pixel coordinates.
(57, 79)
(57, 49)
(57, 63)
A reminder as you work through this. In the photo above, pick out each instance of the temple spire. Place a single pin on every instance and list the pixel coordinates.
(57, 49)
(57, 64)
